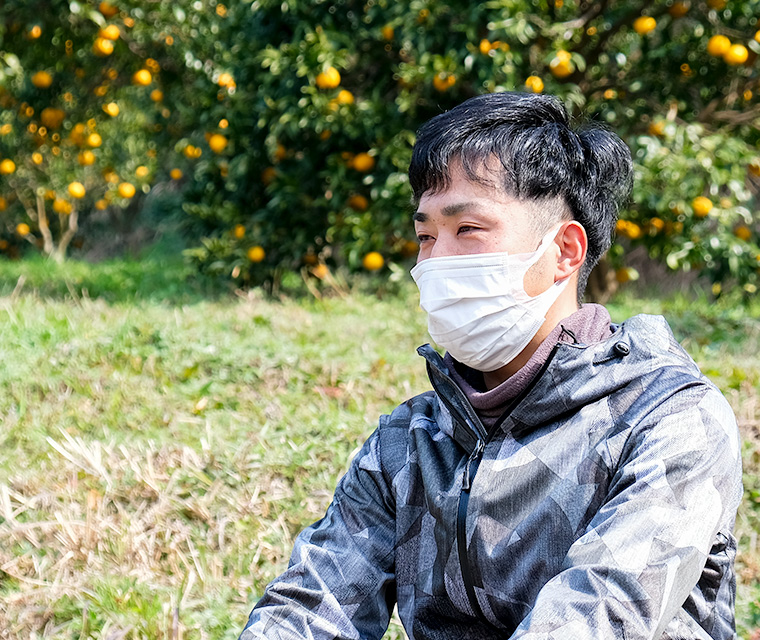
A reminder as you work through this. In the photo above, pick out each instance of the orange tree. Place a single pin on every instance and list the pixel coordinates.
(84, 126)
(318, 104)
(292, 122)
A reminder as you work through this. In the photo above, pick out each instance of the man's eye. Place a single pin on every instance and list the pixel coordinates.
(421, 237)
(466, 228)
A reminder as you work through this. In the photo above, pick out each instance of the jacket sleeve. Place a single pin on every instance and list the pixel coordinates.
(340, 579)
(675, 492)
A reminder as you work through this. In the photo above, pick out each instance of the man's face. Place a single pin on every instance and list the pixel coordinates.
(469, 218)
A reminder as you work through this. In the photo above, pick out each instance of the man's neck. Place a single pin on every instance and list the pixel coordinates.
(561, 309)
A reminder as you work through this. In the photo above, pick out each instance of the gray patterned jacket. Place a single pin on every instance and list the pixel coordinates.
(601, 506)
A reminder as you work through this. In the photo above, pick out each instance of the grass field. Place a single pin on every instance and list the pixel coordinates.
(162, 447)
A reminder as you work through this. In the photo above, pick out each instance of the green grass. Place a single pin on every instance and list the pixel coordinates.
(162, 447)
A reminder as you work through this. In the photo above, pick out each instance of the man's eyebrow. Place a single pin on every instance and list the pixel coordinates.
(448, 211)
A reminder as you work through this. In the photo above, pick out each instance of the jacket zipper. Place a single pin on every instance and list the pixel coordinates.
(470, 469)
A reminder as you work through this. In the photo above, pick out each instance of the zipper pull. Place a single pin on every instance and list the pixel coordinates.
(476, 453)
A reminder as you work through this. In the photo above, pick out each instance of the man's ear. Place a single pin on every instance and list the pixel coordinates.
(573, 245)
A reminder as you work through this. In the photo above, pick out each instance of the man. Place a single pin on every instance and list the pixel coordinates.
(566, 478)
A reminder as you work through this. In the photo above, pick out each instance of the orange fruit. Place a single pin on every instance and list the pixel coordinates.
(561, 65)
(86, 158)
(444, 81)
(757, 35)
(363, 162)
(109, 175)
(111, 32)
(102, 47)
(3, 203)
(107, 9)
(644, 24)
(94, 140)
(126, 190)
(62, 206)
(35, 32)
(373, 261)
(7, 167)
(225, 80)
(718, 5)
(410, 248)
(628, 229)
(535, 84)
(743, 232)
(238, 231)
(101, 205)
(256, 254)
(77, 134)
(23, 229)
(51, 117)
(701, 206)
(176, 174)
(678, 9)
(754, 167)
(76, 190)
(142, 78)
(485, 47)
(718, 45)
(633, 230)
(156, 95)
(328, 79)
(736, 54)
(142, 171)
(387, 32)
(358, 202)
(37, 157)
(217, 143)
(42, 79)
(321, 271)
(112, 109)
(345, 97)
(657, 128)
(268, 175)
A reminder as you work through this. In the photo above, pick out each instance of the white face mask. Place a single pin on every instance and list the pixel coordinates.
(477, 306)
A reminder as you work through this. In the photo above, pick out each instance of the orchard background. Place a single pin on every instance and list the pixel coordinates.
(278, 132)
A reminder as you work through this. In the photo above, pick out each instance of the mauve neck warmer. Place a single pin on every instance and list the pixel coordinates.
(591, 323)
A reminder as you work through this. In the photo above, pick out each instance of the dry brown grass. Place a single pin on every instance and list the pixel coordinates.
(162, 459)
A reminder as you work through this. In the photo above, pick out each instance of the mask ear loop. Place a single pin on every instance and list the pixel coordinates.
(533, 257)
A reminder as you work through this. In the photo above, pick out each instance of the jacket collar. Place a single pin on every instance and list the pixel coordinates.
(575, 375)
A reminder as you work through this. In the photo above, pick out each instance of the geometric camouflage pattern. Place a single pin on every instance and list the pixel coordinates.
(602, 507)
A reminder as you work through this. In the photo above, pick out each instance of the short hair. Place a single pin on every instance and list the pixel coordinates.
(526, 143)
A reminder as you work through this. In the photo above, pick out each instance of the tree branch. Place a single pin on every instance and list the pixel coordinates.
(42, 221)
(66, 238)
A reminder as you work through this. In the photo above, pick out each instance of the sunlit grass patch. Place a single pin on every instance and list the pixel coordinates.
(161, 455)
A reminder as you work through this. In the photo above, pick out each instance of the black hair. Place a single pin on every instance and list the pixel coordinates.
(526, 143)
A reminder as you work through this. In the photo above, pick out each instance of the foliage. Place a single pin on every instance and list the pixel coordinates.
(289, 124)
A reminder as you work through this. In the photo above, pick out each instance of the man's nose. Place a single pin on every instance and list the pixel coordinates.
(444, 246)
